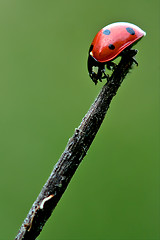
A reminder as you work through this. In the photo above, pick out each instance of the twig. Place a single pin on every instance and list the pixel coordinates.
(72, 156)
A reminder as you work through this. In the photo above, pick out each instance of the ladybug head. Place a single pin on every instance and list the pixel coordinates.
(95, 68)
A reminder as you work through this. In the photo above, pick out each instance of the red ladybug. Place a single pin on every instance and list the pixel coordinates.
(108, 44)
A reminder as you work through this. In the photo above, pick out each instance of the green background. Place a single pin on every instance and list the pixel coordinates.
(45, 91)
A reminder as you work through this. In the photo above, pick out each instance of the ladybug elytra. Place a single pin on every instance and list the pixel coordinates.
(109, 43)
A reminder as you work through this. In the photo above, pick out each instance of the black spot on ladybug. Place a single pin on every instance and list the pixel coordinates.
(90, 49)
(130, 30)
(111, 46)
(106, 32)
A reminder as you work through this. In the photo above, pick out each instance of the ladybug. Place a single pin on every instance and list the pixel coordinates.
(109, 43)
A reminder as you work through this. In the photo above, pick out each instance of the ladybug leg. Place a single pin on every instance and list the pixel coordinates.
(134, 60)
(132, 53)
(128, 52)
(105, 76)
(101, 73)
(111, 65)
(94, 77)
(95, 80)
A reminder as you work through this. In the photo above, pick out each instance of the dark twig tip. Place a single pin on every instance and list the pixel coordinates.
(75, 151)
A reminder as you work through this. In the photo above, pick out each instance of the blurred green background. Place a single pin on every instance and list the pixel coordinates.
(45, 91)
